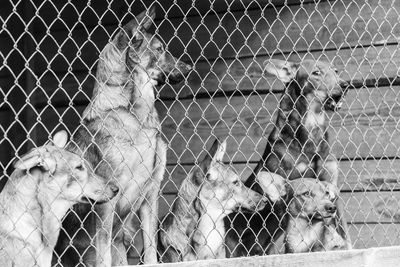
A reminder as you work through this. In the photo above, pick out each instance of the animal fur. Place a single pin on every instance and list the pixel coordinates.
(298, 146)
(312, 212)
(46, 183)
(194, 229)
(121, 136)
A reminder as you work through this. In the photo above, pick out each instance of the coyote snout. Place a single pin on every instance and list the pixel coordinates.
(95, 189)
(247, 198)
(170, 69)
(238, 196)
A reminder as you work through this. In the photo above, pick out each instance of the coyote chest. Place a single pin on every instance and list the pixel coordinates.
(315, 125)
(129, 148)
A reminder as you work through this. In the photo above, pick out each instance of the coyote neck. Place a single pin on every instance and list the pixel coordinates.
(116, 87)
(54, 209)
(300, 118)
(143, 98)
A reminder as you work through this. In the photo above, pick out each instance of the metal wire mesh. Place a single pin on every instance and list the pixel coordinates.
(91, 67)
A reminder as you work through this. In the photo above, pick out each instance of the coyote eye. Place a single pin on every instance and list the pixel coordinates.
(236, 183)
(80, 167)
(316, 73)
(160, 49)
(307, 194)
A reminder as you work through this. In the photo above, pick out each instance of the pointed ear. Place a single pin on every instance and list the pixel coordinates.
(121, 40)
(37, 157)
(197, 176)
(60, 139)
(220, 151)
(283, 70)
(215, 154)
(146, 18)
(29, 160)
(132, 31)
(273, 185)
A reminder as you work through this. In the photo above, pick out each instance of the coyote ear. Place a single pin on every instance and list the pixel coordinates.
(220, 151)
(133, 30)
(27, 161)
(197, 177)
(146, 18)
(60, 139)
(215, 154)
(283, 70)
(121, 40)
(273, 185)
(36, 158)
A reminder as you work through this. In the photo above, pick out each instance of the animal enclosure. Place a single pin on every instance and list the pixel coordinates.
(50, 49)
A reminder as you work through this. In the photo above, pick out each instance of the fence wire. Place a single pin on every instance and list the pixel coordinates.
(196, 129)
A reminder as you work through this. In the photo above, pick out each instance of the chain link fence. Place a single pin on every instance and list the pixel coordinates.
(90, 68)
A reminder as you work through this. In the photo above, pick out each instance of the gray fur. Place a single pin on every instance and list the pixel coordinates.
(35, 200)
(312, 212)
(194, 229)
(120, 135)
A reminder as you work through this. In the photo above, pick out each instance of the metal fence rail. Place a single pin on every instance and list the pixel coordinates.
(75, 65)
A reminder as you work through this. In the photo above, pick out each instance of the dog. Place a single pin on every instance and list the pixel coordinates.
(298, 146)
(46, 182)
(120, 134)
(194, 229)
(311, 211)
